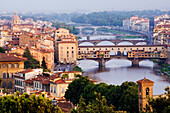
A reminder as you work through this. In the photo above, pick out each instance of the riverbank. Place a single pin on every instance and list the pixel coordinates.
(161, 68)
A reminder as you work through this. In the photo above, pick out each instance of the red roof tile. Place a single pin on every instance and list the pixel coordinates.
(145, 81)
(7, 57)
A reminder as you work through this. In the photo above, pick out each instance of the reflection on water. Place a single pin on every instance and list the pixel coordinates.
(118, 71)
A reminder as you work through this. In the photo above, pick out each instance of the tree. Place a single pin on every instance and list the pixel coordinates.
(99, 105)
(26, 104)
(44, 63)
(2, 50)
(31, 62)
(0, 81)
(161, 104)
(76, 88)
(65, 76)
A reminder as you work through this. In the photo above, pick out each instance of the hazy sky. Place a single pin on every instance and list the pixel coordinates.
(81, 5)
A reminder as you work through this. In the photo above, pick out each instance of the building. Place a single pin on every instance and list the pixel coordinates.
(38, 53)
(66, 46)
(24, 75)
(161, 29)
(9, 65)
(137, 24)
(5, 36)
(145, 91)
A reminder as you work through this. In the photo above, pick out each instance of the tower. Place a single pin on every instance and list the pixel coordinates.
(145, 91)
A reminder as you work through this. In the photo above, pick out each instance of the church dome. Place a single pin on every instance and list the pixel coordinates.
(15, 19)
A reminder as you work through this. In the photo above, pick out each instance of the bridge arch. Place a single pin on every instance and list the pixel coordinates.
(86, 44)
(105, 43)
(125, 43)
(141, 43)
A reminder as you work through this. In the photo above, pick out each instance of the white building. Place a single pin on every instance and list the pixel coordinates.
(21, 76)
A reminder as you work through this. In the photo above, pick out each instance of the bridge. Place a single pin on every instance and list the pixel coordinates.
(115, 42)
(94, 27)
(134, 53)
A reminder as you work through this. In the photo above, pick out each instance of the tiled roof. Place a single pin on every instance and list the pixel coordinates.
(145, 81)
(26, 71)
(29, 81)
(7, 57)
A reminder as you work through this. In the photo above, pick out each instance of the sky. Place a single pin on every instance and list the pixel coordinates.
(81, 5)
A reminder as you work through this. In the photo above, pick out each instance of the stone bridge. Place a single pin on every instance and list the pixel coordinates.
(115, 42)
(119, 53)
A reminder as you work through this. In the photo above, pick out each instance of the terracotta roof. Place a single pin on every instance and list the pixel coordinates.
(26, 71)
(7, 57)
(29, 81)
(46, 81)
(145, 81)
(59, 81)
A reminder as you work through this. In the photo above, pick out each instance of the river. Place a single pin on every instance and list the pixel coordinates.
(118, 71)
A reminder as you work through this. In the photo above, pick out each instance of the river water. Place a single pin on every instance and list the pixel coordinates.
(118, 71)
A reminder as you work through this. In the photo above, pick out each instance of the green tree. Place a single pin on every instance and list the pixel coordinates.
(26, 104)
(76, 88)
(31, 62)
(2, 50)
(65, 76)
(44, 63)
(161, 104)
(99, 105)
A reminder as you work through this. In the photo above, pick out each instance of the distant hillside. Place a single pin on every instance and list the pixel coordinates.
(115, 18)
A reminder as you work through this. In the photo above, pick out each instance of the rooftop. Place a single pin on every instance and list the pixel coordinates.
(7, 57)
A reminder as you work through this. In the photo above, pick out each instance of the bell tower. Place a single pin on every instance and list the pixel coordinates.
(145, 91)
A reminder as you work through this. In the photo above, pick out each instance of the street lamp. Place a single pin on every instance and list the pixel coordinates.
(54, 102)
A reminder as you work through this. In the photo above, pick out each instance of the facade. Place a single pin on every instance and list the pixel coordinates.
(24, 75)
(66, 46)
(161, 29)
(5, 36)
(147, 54)
(137, 24)
(9, 65)
(145, 91)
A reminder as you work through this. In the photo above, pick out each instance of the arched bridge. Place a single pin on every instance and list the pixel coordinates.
(115, 42)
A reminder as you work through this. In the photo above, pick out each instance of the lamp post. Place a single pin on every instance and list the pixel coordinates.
(54, 102)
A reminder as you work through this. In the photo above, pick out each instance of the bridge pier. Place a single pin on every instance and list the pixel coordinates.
(135, 63)
(101, 63)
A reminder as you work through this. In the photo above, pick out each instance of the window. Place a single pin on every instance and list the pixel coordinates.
(54, 89)
(72, 47)
(7, 75)
(4, 65)
(4, 75)
(12, 66)
(10, 85)
(61, 47)
(51, 88)
(67, 47)
(147, 91)
(63, 90)
(17, 65)
(4, 84)
(0, 65)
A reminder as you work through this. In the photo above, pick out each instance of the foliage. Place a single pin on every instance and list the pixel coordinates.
(31, 62)
(65, 76)
(2, 50)
(26, 104)
(124, 97)
(75, 89)
(65, 26)
(77, 68)
(0, 81)
(44, 66)
(115, 18)
(161, 104)
(98, 105)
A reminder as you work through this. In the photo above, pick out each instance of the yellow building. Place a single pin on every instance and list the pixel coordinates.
(9, 65)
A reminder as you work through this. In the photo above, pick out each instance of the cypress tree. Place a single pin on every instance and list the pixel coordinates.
(31, 62)
(44, 63)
